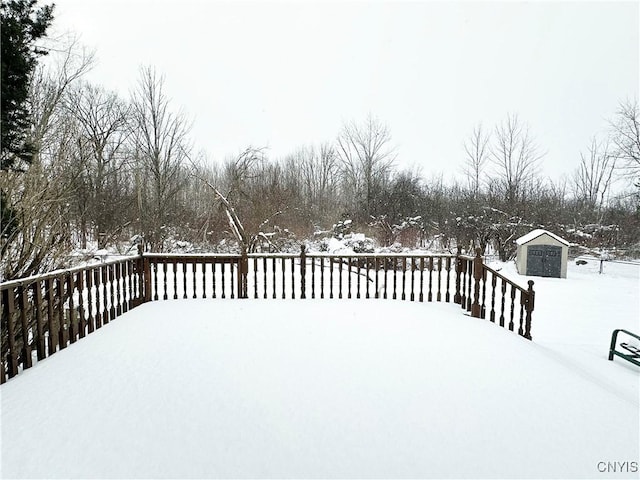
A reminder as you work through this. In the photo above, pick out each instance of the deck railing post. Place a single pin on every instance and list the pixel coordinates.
(243, 269)
(303, 270)
(145, 281)
(476, 310)
(457, 298)
(529, 306)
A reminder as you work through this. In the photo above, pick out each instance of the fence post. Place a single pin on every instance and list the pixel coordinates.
(477, 275)
(531, 296)
(303, 270)
(457, 298)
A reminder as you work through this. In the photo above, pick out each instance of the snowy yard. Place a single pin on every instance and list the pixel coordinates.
(337, 389)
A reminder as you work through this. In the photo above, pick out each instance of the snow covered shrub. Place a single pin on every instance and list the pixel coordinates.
(342, 228)
(359, 243)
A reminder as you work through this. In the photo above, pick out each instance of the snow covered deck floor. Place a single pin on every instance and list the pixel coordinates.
(286, 388)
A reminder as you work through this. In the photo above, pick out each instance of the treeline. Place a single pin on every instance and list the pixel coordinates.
(107, 172)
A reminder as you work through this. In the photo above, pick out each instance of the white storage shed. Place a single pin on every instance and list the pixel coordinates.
(543, 254)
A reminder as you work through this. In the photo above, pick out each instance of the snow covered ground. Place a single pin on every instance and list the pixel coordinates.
(338, 388)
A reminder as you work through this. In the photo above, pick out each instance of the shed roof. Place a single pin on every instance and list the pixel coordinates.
(536, 233)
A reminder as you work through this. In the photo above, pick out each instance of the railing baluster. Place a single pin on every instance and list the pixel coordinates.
(89, 282)
(403, 263)
(264, 277)
(293, 277)
(283, 270)
(447, 297)
(463, 289)
(492, 315)
(273, 276)
(321, 277)
(82, 324)
(413, 280)
(72, 308)
(97, 280)
(521, 320)
(203, 264)
(469, 280)
(37, 297)
(9, 314)
(503, 287)
(223, 287)
(62, 341)
(395, 277)
(377, 268)
(193, 278)
(255, 277)
(183, 264)
(511, 313)
(4, 351)
(421, 279)
(25, 351)
(126, 279)
(174, 266)
(483, 311)
(439, 294)
(330, 277)
(404, 278)
(232, 275)
(430, 293)
(368, 265)
(313, 277)
(51, 337)
(118, 271)
(386, 267)
(112, 309)
(133, 283)
(358, 275)
(340, 260)
(349, 277)
(213, 277)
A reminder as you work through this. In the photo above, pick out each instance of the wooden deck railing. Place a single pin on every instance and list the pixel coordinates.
(45, 313)
(480, 285)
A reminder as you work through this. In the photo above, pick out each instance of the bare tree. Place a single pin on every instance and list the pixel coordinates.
(102, 199)
(593, 177)
(626, 136)
(515, 157)
(318, 168)
(49, 87)
(241, 170)
(477, 155)
(160, 139)
(38, 234)
(366, 157)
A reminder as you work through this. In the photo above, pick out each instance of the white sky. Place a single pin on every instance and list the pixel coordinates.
(284, 74)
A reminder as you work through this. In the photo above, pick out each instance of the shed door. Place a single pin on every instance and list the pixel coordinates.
(544, 260)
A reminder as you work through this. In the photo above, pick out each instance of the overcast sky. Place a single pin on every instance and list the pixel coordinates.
(284, 74)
